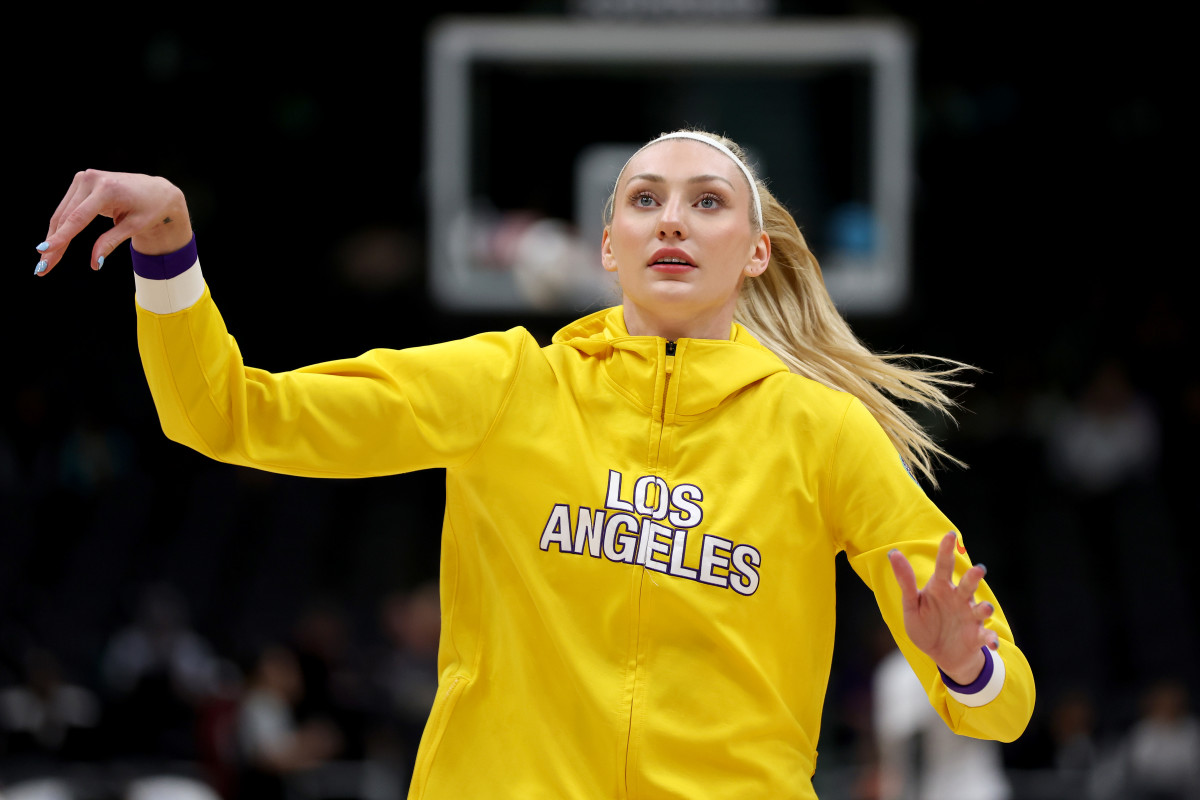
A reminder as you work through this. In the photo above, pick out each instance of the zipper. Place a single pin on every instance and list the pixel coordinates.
(669, 367)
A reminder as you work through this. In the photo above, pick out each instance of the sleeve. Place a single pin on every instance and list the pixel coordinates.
(385, 412)
(876, 505)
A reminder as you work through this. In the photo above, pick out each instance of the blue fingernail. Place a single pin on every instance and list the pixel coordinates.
(43, 247)
(982, 567)
(40, 268)
(99, 262)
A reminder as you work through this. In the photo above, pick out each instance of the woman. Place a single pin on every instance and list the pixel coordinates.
(642, 517)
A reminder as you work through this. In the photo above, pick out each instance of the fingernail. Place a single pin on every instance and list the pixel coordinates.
(43, 247)
(982, 567)
(99, 262)
(40, 268)
(893, 551)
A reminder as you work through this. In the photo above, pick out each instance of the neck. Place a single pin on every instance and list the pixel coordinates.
(641, 322)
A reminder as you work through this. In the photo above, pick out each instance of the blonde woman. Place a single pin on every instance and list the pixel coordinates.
(642, 517)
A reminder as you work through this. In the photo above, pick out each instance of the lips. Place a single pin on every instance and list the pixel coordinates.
(671, 258)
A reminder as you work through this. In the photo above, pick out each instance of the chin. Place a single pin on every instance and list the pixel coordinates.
(672, 291)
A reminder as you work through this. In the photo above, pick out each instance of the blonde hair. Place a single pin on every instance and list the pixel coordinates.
(789, 310)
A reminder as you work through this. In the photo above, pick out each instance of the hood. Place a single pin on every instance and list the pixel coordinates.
(705, 371)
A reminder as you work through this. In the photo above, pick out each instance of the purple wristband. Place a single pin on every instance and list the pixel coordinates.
(976, 685)
(160, 268)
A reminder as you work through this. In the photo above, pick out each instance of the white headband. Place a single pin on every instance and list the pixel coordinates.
(711, 142)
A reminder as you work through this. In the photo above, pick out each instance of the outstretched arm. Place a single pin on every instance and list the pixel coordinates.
(897, 541)
(151, 211)
(384, 412)
(944, 620)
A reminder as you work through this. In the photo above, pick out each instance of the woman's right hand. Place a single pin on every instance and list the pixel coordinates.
(151, 211)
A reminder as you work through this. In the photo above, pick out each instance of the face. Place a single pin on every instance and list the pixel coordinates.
(681, 239)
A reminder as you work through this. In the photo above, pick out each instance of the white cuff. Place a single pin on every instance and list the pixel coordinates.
(977, 695)
(172, 294)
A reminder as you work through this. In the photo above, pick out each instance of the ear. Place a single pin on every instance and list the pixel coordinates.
(606, 254)
(760, 256)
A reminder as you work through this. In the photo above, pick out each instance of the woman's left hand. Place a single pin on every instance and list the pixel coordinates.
(943, 620)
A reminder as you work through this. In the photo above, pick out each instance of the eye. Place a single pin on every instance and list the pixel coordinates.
(643, 199)
(709, 201)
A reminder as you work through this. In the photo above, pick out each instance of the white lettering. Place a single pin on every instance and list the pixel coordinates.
(681, 498)
(643, 540)
(628, 541)
(652, 527)
(745, 577)
(558, 529)
(677, 552)
(652, 544)
(589, 528)
(710, 560)
(662, 499)
(613, 498)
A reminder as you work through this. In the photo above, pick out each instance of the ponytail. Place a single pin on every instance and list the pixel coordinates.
(788, 309)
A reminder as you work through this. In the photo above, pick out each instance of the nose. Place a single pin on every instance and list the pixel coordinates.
(670, 220)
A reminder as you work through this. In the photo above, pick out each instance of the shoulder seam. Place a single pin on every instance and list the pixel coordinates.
(525, 337)
(829, 474)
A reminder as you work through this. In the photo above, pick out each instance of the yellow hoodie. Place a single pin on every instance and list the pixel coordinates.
(637, 569)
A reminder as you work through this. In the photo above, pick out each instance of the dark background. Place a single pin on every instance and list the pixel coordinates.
(1049, 249)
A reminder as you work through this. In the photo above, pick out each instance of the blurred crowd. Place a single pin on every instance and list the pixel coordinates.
(313, 713)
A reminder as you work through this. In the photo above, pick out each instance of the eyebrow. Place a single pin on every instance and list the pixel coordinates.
(653, 178)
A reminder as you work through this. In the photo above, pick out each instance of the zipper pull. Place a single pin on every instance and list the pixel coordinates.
(670, 348)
